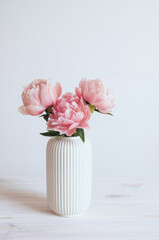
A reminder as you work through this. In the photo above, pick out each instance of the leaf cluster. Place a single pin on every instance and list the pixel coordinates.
(79, 132)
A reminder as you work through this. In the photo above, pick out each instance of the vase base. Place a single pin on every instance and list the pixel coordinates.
(67, 216)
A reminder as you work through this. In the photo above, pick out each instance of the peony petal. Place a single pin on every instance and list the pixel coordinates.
(22, 110)
(74, 125)
(78, 116)
(58, 89)
(82, 83)
(53, 95)
(31, 97)
(45, 98)
(90, 97)
(34, 110)
(78, 91)
(83, 125)
(64, 121)
(70, 132)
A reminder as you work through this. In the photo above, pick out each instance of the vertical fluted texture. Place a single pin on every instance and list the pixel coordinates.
(69, 175)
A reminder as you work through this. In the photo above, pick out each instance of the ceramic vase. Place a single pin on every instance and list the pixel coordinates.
(69, 175)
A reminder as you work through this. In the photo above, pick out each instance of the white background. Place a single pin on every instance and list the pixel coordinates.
(116, 40)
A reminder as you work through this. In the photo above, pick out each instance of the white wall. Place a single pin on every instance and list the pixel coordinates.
(116, 40)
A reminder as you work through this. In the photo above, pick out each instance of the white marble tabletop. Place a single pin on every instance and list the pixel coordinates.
(121, 209)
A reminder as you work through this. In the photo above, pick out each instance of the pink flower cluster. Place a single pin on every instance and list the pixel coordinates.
(70, 112)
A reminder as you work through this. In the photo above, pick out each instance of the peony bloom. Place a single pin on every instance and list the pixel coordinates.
(69, 113)
(38, 96)
(95, 93)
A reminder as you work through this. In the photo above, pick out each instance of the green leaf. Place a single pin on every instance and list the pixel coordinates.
(45, 116)
(103, 113)
(50, 133)
(80, 133)
(110, 114)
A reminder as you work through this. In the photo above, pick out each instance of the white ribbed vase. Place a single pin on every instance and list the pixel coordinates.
(69, 175)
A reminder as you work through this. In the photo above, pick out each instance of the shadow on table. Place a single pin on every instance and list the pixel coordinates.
(26, 198)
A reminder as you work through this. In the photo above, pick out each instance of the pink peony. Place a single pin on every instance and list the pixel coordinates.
(38, 96)
(69, 113)
(96, 94)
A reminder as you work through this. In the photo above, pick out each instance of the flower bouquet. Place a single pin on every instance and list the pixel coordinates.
(69, 115)
(68, 159)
